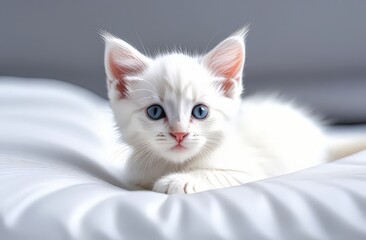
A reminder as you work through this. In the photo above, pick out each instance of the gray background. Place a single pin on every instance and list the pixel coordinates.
(312, 50)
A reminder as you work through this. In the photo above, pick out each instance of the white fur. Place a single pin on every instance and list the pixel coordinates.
(240, 141)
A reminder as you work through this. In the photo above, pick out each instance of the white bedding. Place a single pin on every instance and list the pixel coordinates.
(57, 181)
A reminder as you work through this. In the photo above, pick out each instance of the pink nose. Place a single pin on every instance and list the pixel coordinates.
(179, 136)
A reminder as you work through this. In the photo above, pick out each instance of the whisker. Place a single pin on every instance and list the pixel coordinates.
(143, 89)
(141, 99)
(143, 80)
(143, 47)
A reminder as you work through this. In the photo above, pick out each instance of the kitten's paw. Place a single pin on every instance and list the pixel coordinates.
(176, 183)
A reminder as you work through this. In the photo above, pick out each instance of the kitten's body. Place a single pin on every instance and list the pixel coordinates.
(237, 142)
(272, 138)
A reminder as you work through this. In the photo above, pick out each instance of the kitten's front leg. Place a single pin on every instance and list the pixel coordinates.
(200, 180)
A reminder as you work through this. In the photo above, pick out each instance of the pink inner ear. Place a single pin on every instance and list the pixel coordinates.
(120, 71)
(227, 60)
(227, 85)
(231, 71)
(232, 68)
(236, 67)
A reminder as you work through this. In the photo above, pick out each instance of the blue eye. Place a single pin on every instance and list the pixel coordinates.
(200, 111)
(155, 112)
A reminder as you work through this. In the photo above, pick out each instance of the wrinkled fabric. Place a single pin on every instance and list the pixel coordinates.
(58, 180)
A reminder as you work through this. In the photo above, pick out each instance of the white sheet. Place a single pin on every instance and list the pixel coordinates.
(57, 182)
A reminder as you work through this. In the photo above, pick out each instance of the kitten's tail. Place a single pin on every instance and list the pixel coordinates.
(343, 145)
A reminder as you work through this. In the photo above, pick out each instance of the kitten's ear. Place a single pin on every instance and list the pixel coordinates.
(226, 60)
(121, 61)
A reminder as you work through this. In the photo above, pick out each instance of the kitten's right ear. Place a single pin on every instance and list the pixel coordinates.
(226, 60)
(121, 61)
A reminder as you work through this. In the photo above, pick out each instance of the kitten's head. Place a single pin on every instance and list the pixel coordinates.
(174, 106)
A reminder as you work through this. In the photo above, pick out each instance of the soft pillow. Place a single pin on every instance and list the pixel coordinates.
(57, 182)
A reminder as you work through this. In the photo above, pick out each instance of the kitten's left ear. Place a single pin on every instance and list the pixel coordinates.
(226, 60)
(122, 61)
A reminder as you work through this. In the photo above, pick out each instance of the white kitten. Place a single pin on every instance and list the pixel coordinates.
(190, 131)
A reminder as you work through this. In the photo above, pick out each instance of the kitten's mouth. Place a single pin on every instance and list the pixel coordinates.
(178, 147)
